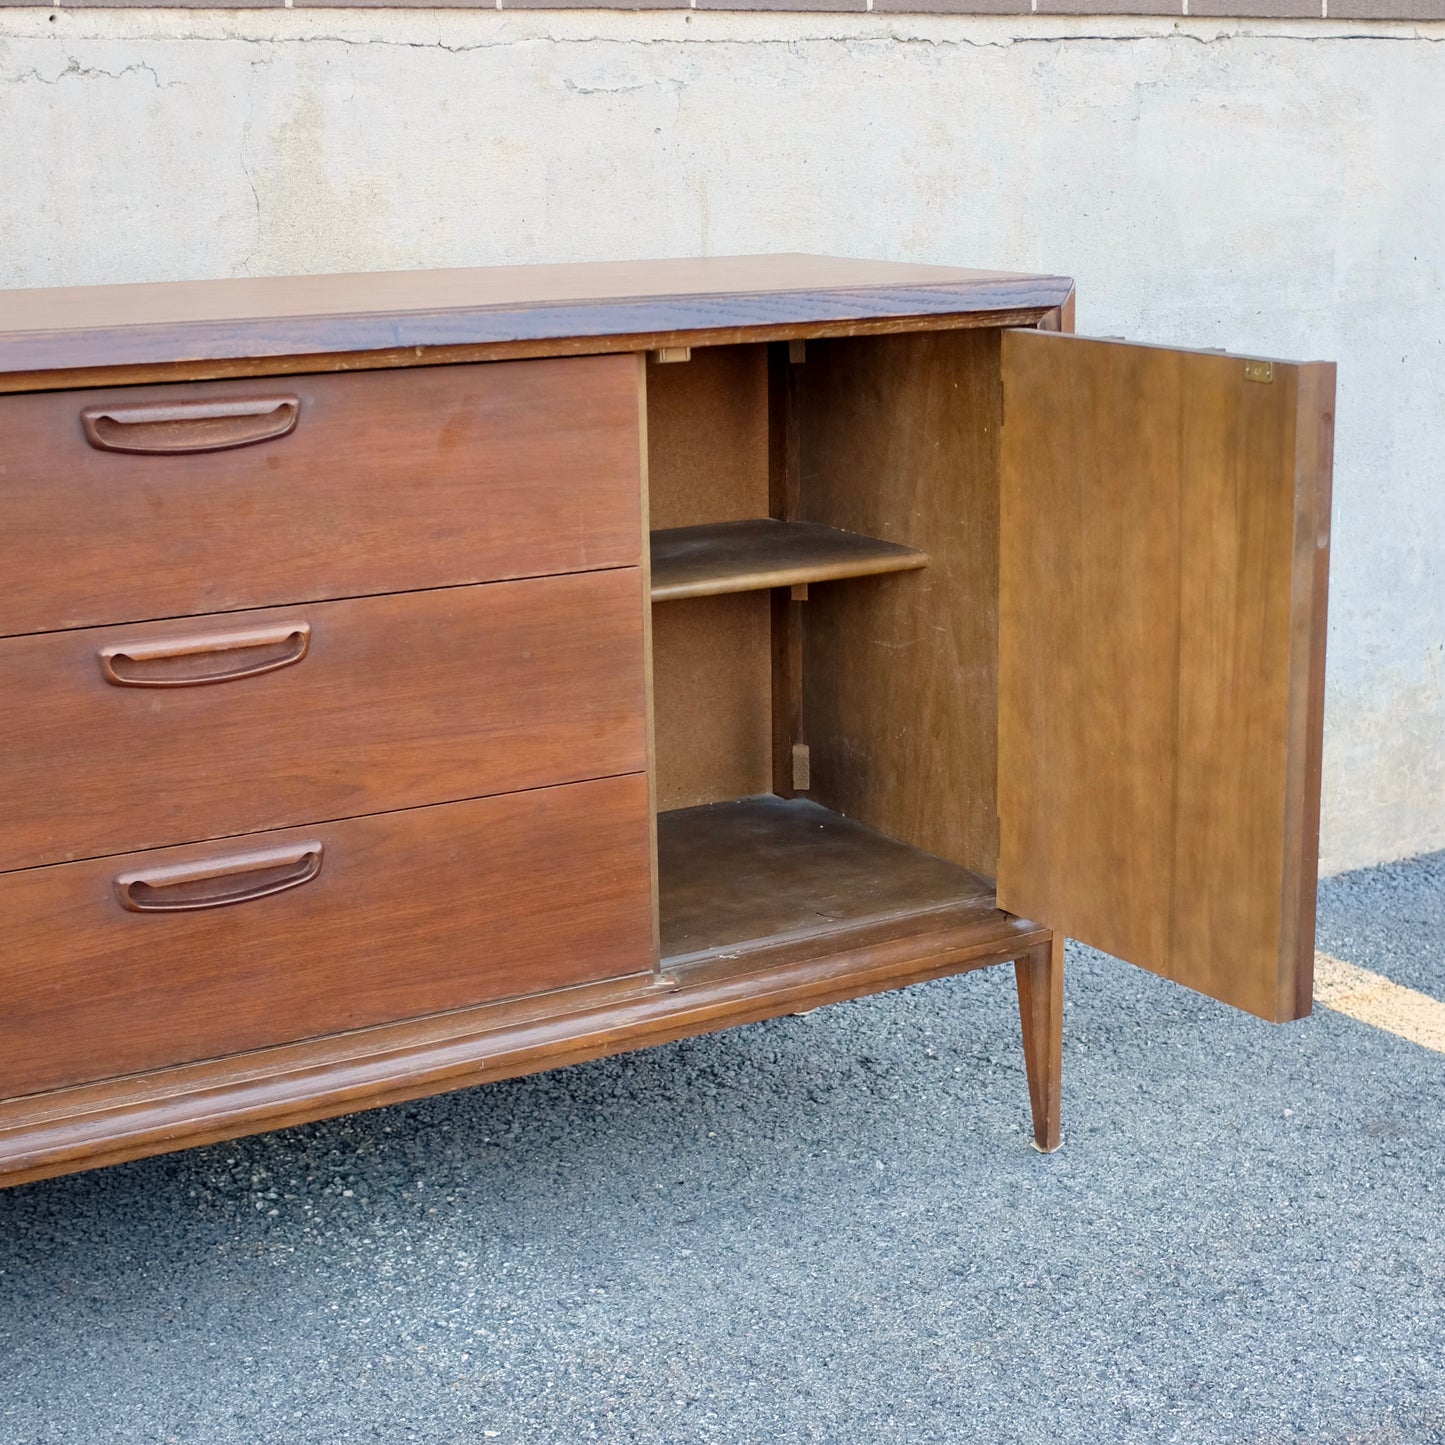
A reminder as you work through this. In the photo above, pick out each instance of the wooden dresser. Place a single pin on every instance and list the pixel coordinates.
(413, 680)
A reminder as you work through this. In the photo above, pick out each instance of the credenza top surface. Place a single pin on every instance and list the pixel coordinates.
(289, 316)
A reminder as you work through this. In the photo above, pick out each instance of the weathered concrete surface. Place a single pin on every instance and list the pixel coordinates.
(1275, 188)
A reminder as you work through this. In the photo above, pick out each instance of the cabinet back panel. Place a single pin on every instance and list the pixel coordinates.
(707, 437)
(900, 440)
(711, 689)
(707, 459)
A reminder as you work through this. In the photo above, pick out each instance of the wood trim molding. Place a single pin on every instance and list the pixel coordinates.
(134, 1117)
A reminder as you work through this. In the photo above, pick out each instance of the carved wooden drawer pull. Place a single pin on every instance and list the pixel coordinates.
(158, 428)
(239, 878)
(144, 664)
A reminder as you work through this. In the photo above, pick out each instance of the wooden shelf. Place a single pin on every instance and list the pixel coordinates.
(764, 552)
(767, 876)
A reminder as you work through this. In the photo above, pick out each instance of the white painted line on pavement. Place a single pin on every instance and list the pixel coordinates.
(1373, 999)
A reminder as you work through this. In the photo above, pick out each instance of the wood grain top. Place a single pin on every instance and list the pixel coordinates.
(176, 321)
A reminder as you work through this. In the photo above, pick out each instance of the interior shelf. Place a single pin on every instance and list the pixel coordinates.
(765, 874)
(764, 552)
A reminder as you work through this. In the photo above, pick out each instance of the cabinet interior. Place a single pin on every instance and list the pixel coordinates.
(824, 527)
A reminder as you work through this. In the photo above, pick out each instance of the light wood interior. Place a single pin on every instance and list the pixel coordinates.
(711, 696)
(798, 874)
(707, 461)
(900, 440)
(707, 437)
(825, 542)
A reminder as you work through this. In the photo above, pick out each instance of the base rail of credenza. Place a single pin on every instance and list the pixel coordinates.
(116, 1120)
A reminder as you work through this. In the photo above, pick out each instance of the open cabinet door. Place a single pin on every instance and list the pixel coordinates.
(1164, 551)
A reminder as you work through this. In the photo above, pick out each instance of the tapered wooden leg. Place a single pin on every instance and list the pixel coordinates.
(1041, 1011)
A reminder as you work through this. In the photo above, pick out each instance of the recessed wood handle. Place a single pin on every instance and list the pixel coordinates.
(238, 878)
(148, 664)
(160, 428)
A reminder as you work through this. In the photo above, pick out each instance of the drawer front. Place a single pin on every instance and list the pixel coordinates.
(115, 739)
(387, 917)
(164, 501)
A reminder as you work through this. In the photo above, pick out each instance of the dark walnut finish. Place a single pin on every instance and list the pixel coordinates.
(350, 760)
(397, 701)
(145, 1114)
(424, 477)
(606, 306)
(405, 913)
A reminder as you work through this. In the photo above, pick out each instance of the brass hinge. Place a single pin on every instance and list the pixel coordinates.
(672, 353)
(1259, 371)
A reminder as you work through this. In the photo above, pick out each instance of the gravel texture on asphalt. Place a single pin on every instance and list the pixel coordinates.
(826, 1228)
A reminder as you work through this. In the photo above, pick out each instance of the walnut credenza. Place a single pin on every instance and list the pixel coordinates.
(413, 680)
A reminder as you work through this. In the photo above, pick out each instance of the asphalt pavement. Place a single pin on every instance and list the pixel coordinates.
(827, 1228)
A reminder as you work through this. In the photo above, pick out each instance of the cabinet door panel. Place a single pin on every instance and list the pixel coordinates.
(1164, 532)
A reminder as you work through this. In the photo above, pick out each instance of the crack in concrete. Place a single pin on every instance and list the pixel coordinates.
(626, 89)
(255, 197)
(792, 43)
(75, 69)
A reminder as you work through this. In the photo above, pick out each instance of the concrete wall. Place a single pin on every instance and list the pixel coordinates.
(1272, 187)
